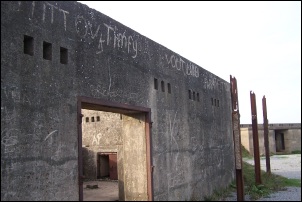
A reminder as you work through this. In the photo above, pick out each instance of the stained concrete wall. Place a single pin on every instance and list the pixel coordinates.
(52, 52)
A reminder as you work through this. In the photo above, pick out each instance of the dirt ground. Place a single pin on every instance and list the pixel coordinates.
(105, 191)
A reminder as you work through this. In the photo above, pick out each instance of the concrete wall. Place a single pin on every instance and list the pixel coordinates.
(245, 138)
(53, 52)
(293, 140)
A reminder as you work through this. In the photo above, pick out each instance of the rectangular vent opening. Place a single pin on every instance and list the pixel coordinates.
(63, 55)
(47, 50)
(28, 45)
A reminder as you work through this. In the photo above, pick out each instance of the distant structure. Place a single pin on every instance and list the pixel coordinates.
(284, 138)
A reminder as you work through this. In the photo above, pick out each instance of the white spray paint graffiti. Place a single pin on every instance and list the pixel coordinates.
(179, 64)
(47, 5)
(111, 36)
(50, 134)
(9, 139)
(176, 176)
(96, 139)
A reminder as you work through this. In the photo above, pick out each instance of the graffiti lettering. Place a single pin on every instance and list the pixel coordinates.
(179, 64)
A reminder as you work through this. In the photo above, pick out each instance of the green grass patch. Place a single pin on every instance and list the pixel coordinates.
(245, 153)
(296, 152)
(270, 183)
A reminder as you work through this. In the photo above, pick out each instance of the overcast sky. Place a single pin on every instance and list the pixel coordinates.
(257, 42)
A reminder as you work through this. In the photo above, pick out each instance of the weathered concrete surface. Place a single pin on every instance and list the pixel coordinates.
(71, 50)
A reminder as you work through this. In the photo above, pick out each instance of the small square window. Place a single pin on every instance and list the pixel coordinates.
(28, 45)
(163, 86)
(63, 55)
(155, 84)
(47, 51)
(169, 88)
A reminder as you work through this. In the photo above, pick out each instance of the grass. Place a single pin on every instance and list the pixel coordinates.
(296, 152)
(270, 183)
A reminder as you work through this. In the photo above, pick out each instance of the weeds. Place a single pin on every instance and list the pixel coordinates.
(270, 183)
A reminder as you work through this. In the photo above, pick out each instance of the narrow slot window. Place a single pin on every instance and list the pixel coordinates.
(63, 55)
(163, 86)
(28, 45)
(193, 95)
(87, 119)
(92, 119)
(47, 51)
(155, 84)
(169, 88)
(97, 118)
(197, 97)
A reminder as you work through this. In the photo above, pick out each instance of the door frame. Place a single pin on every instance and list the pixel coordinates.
(110, 106)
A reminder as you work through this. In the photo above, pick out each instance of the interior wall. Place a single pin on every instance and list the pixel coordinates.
(102, 132)
(135, 162)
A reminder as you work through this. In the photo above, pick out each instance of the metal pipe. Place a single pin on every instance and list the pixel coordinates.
(266, 140)
(237, 139)
(255, 138)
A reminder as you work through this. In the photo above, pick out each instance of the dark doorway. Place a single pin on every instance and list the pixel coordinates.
(107, 166)
(279, 138)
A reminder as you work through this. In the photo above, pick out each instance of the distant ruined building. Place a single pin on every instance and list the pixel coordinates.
(284, 138)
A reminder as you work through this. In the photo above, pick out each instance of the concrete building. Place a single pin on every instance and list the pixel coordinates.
(284, 138)
(79, 88)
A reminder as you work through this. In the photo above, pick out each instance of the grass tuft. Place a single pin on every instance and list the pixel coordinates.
(270, 183)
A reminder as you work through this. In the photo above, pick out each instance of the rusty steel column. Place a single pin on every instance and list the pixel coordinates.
(237, 139)
(266, 140)
(255, 138)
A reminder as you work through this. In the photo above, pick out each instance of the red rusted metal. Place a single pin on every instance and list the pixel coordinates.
(266, 140)
(255, 138)
(237, 138)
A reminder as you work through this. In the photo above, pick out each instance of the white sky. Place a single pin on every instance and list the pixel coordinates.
(257, 42)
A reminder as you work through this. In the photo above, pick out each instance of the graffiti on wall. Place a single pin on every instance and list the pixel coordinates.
(176, 62)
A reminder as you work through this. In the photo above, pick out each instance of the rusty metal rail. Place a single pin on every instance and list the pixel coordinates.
(237, 139)
(266, 139)
(255, 138)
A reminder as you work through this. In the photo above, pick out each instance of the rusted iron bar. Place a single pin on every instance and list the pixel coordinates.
(255, 138)
(266, 140)
(237, 139)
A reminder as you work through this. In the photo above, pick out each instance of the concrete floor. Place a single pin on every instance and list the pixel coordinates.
(106, 191)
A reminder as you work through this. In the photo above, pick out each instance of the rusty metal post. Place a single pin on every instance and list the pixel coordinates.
(255, 138)
(266, 140)
(237, 139)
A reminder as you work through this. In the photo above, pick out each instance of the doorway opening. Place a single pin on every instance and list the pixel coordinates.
(279, 139)
(114, 151)
(107, 166)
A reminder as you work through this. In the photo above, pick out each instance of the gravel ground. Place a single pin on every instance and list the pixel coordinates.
(285, 165)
